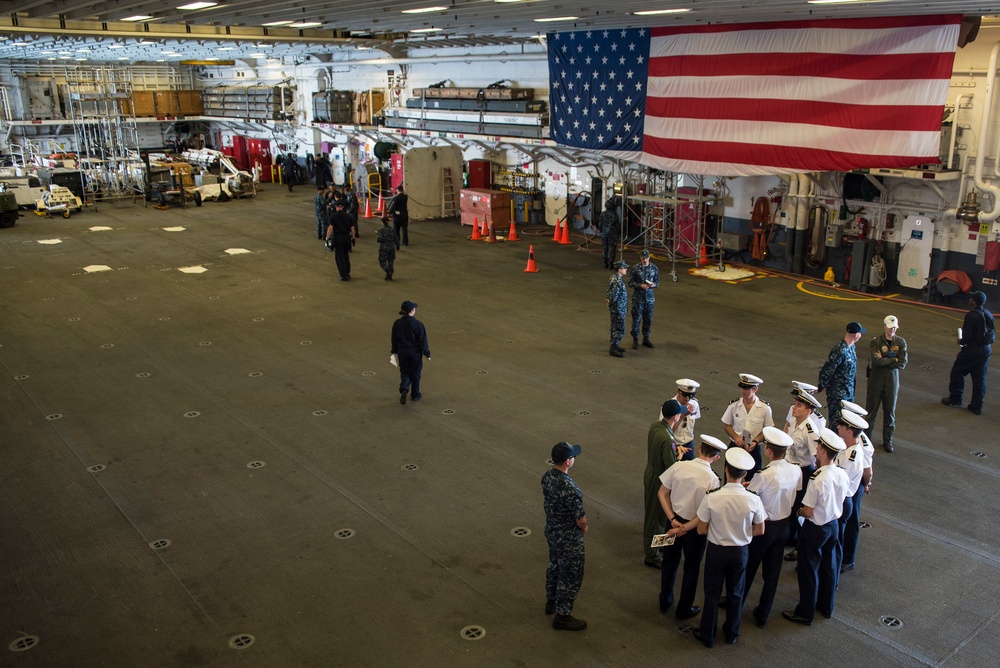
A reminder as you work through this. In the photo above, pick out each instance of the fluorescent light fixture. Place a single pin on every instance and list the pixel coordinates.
(557, 18)
(844, 2)
(65, 57)
(83, 50)
(145, 41)
(256, 55)
(424, 10)
(116, 46)
(161, 60)
(657, 12)
(65, 53)
(80, 60)
(20, 44)
(226, 48)
(137, 17)
(274, 24)
(427, 30)
(305, 24)
(48, 53)
(191, 6)
(124, 58)
(503, 2)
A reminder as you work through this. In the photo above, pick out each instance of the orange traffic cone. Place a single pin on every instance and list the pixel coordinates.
(565, 233)
(368, 207)
(555, 235)
(492, 238)
(484, 230)
(703, 260)
(475, 230)
(512, 235)
(532, 268)
(378, 209)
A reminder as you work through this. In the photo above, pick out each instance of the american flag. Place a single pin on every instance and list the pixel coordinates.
(756, 98)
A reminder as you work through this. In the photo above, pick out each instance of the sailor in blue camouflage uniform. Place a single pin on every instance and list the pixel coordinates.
(643, 278)
(838, 373)
(609, 225)
(319, 202)
(565, 525)
(388, 244)
(616, 299)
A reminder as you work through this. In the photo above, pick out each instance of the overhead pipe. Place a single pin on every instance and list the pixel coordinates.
(984, 126)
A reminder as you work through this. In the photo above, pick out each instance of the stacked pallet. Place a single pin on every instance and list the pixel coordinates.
(482, 204)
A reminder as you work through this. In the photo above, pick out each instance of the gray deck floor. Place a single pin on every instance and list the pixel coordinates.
(176, 383)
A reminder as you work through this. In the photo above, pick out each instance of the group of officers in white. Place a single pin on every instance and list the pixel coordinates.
(809, 496)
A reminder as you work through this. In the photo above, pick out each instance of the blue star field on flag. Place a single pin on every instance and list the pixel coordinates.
(597, 88)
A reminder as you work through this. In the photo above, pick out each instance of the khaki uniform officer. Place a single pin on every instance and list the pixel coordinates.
(682, 487)
(730, 516)
(777, 484)
(746, 417)
(819, 540)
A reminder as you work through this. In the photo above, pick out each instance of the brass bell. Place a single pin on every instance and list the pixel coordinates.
(970, 210)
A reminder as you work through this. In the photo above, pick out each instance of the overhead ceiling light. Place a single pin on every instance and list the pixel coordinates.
(145, 42)
(197, 5)
(80, 60)
(83, 50)
(557, 18)
(123, 58)
(226, 48)
(424, 10)
(274, 24)
(305, 24)
(256, 55)
(506, 1)
(844, 2)
(48, 53)
(655, 12)
(19, 44)
(116, 46)
(65, 53)
(137, 17)
(65, 57)
(427, 30)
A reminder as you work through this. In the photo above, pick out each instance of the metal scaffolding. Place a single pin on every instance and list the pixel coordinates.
(674, 218)
(104, 124)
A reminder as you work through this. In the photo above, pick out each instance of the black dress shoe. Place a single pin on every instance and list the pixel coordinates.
(402, 397)
(647, 343)
(689, 613)
(948, 402)
(792, 617)
(887, 447)
(704, 641)
(550, 607)
(793, 555)
(761, 623)
(846, 567)
(635, 344)
(568, 623)
(977, 411)
(732, 641)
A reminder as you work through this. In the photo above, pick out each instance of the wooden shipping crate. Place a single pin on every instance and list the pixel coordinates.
(142, 103)
(189, 103)
(166, 102)
(484, 200)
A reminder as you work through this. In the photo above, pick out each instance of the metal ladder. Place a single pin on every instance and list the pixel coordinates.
(447, 194)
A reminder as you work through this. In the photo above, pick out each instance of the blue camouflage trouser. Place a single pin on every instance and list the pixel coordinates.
(642, 310)
(565, 572)
(609, 246)
(617, 324)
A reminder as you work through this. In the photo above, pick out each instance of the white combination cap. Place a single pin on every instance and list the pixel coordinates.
(775, 436)
(740, 459)
(853, 420)
(714, 442)
(831, 439)
(749, 379)
(800, 385)
(853, 407)
(688, 385)
(807, 398)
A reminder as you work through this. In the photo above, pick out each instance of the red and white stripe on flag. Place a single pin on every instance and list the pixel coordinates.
(801, 96)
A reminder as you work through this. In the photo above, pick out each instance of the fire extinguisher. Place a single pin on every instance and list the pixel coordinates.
(862, 229)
